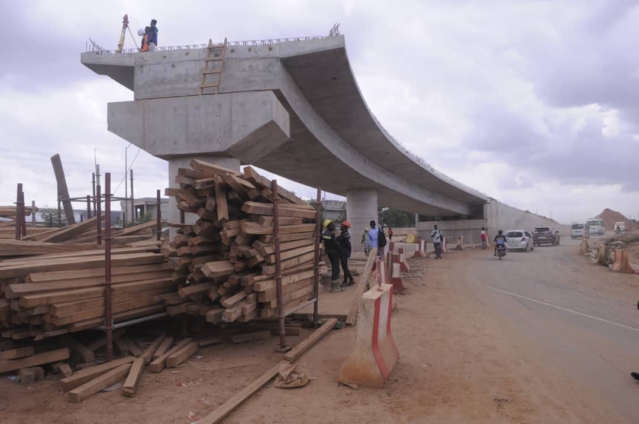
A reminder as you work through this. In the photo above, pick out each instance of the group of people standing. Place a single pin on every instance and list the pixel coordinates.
(149, 37)
(338, 250)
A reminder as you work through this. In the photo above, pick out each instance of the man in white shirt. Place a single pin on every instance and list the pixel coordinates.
(437, 237)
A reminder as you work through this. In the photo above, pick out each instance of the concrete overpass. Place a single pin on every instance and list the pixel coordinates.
(290, 107)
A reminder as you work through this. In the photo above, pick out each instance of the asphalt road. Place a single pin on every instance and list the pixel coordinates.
(578, 321)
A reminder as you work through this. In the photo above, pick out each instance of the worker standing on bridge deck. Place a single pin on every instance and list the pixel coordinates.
(437, 237)
(331, 247)
(344, 241)
(153, 35)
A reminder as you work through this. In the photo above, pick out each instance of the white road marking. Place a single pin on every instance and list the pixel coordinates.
(564, 309)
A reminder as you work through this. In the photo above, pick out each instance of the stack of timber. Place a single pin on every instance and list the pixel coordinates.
(64, 292)
(226, 259)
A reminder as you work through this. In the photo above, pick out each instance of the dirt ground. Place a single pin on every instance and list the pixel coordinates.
(461, 362)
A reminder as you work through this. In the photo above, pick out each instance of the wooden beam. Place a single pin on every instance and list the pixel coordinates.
(34, 360)
(84, 376)
(257, 208)
(158, 364)
(148, 353)
(295, 353)
(133, 347)
(16, 353)
(63, 190)
(164, 347)
(135, 373)
(84, 353)
(362, 285)
(229, 406)
(96, 385)
(182, 355)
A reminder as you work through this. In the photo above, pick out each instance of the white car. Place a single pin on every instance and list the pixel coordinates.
(519, 240)
(577, 231)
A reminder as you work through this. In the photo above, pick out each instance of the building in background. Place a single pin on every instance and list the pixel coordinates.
(143, 206)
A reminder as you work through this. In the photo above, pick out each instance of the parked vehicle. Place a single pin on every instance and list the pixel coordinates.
(596, 226)
(545, 235)
(577, 231)
(519, 240)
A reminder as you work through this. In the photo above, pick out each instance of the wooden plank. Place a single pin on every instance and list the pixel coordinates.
(290, 253)
(194, 290)
(70, 231)
(119, 317)
(96, 385)
(99, 312)
(16, 353)
(290, 263)
(158, 364)
(84, 353)
(163, 348)
(101, 341)
(362, 285)
(61, 264)
(288, 237)
(285, 220)
(295, 353)
(221, 205)
(65, 370)
(261, 286)
(35, 360)
(252, 175)
(284, 210)
(133, 347)
(137, 228)
(84, 376)
(214, 316)
(149, 352)
(63, 190)
(218, 269)
(228, 302)
(212, 170)
(132, 380)
(269, 249)
(253, 228)
(9, 248)
(182, 355)
(121, 346)
(98, 273)
(230, 405)
(271, 294)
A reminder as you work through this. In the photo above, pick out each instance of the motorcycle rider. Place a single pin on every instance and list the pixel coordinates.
(500, 239)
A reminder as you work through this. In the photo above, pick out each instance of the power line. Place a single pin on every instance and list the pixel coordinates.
(127, 172)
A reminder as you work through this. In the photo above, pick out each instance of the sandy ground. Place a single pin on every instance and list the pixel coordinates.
(468, 354)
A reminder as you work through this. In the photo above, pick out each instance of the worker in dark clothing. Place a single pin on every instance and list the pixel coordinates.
(344, 241)
(331, 247)
(153, 35)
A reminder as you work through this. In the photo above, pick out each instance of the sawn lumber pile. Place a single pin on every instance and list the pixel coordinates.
(53, 294)
(226, 259)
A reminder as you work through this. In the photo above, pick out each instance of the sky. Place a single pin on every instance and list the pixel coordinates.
(533, 102)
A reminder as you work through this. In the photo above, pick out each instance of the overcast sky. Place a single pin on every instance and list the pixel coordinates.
(534, 102)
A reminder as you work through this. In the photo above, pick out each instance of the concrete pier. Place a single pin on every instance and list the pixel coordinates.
(361, 208)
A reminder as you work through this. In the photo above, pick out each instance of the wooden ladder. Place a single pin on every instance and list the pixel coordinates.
(216, 53)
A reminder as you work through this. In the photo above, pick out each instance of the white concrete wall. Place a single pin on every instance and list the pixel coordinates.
(496, 216)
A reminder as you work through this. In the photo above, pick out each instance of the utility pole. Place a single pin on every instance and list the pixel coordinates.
(126, 184)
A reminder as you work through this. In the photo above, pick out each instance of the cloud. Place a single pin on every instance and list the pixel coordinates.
(535, 103)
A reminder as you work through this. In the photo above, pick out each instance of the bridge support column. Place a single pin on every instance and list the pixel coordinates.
(183, 162)
(361, 208)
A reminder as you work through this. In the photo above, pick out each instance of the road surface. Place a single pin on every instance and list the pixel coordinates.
(579, 321)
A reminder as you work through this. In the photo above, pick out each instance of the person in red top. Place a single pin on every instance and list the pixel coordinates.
(484, 238)
(390, 233)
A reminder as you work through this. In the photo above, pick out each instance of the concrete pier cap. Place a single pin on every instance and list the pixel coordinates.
(361, 208)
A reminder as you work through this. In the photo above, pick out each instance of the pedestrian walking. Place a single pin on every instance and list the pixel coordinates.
(376, 239)
(484, 238)
(331, 247)
(437, 237)
(390, 234)
(344, 241)
(364, 241)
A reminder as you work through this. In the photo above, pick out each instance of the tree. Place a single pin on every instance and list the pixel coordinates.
(50, 217)
(390, 217)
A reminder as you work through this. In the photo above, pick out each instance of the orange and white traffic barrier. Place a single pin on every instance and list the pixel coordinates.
(396, 274)
(460, 243)
(391, 247)
(444, 248)
(375, 353)
(621, 263)
(402, 260)
(421, 249)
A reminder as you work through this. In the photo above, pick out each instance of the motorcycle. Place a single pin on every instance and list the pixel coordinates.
(501, 251)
